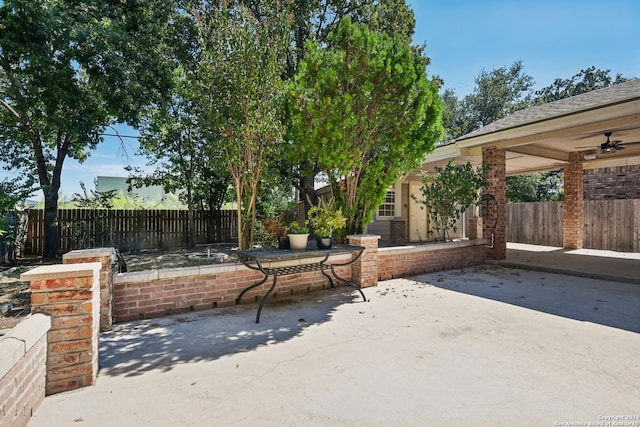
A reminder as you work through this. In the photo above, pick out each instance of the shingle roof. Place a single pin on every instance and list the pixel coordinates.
(611, 95)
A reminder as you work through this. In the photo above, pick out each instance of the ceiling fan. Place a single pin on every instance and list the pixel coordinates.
(610, 146)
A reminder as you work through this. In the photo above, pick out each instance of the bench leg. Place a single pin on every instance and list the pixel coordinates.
(322, 268)
(264, 279)
(346, 282)
(266, 296)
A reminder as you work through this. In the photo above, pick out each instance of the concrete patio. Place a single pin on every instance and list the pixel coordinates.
(486, 345)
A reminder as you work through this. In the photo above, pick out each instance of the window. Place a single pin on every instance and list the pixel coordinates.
(388, 207)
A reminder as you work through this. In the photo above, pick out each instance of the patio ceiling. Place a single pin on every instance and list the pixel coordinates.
(540, 138)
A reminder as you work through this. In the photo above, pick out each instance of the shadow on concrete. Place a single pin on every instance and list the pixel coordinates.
(598, 264)
(606, 303)
(136, 347)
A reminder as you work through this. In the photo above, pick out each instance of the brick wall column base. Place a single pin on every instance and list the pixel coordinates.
(106, 257)
(70, 294)
(474, 228)
(365, 270)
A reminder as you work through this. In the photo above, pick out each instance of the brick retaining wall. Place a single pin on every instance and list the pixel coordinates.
(23, 353)
(156, 293)
(71, 294)
(406, 261)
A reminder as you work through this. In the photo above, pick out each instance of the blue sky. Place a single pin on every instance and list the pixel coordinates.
(554, 39)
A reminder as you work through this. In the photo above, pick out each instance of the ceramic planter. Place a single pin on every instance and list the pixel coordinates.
(283, 242)
(298, 242)
(324, 242)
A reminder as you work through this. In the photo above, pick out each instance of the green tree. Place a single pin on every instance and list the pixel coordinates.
(68, 70)
(364, 110)
(497, 93)
(12, 192)
(448, 192)
(94, 229)
(315, 21)
(452, 117)
(185, 162)
(535, 187)
(242, 96)
(585, 81)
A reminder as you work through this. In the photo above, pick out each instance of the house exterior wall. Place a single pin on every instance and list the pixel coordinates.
(384, 227)
(622, 182)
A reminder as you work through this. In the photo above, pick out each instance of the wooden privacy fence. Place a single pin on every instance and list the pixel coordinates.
(608, 224)
(612, 225)
(131, 230)
(538, 223)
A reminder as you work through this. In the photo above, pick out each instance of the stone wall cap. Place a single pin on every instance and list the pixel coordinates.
(11, 351)
(21, 339)
(31, 329)
(136, 276)
(432, 246)
(363, 236)
(61, 271)
(84, 253)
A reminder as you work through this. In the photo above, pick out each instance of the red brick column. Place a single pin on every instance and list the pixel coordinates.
(365, 270)
(106, 257)
(494, 204)
(573, 207)
(70, 294)
(474, 228)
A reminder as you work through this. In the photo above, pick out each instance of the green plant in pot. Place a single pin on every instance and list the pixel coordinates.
(325, 220)
(298, 236)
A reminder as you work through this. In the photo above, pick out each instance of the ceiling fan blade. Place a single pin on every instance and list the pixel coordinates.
(628, 143)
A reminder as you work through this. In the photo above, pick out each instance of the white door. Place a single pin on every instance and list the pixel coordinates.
(417, 215)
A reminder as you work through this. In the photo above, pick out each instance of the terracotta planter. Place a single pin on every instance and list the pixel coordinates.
(298, 242)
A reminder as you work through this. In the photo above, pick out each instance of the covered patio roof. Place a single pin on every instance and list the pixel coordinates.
(540, 138)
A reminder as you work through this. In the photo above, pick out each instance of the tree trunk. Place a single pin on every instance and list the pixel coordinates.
(50, 188)
(241, 237)
(191, 238)
(51, 232)
(309, 197)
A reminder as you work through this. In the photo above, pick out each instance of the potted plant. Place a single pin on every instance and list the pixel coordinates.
(277, 231)
(326, 219)
(298, 236)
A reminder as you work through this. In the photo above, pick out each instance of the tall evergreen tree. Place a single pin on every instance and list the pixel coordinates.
(365, 112)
